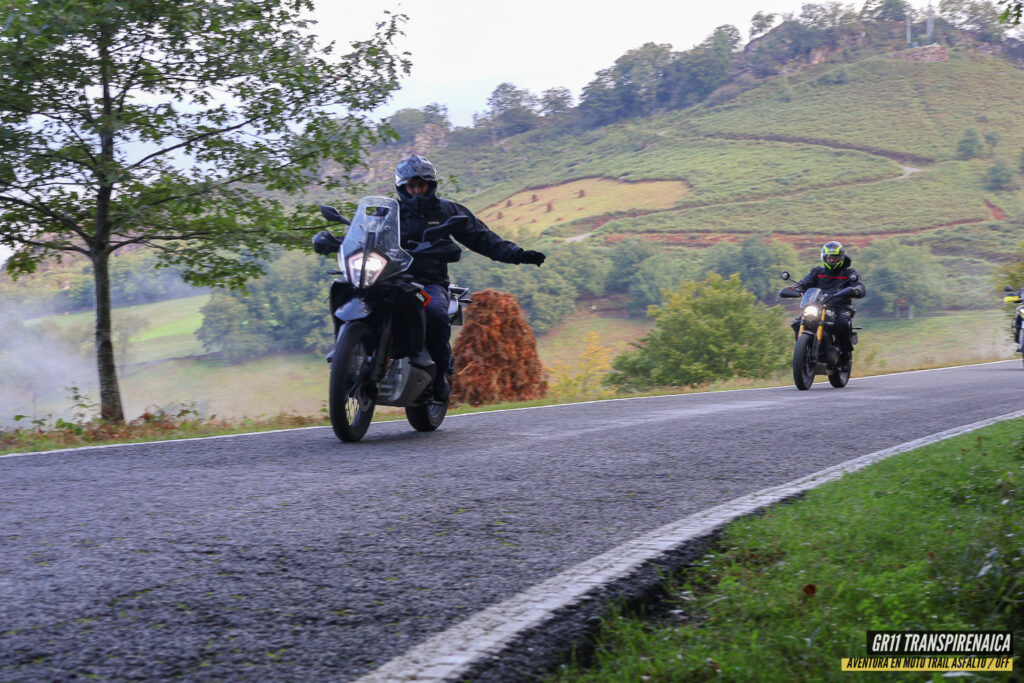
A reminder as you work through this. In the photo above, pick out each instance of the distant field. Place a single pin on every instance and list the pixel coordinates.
(531, 212)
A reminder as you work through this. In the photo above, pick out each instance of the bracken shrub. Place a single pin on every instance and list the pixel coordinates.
(496, 353)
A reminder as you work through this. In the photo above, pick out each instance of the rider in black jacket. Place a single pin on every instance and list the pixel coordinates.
(837, 279)
(421, 208)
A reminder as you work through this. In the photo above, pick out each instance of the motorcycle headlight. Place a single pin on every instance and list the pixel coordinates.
(373, 264)
(811, 312)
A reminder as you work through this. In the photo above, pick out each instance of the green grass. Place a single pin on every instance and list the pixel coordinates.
(936, 197)
(888, 104)
(925, 540)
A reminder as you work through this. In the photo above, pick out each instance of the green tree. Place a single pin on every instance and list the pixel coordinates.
(901, 280)
(885, 10)
(999, 176)
(554, 101)
(706, 331)
(283, 311)
(1011, 14)
(156, 122)
(511, 110)
(980, 17)
(760, 24)
(757, 261)
(655, 275)
(970, 145)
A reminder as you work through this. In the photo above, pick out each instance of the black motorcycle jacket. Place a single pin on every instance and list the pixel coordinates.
(420, 213)
(835, 281)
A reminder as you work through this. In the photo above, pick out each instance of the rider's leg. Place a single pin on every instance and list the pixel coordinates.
(439, 333)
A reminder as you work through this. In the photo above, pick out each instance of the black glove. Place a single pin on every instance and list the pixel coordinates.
(530, 256)
(841, 294)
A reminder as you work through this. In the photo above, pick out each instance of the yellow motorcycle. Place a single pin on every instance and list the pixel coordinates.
(1018, 316)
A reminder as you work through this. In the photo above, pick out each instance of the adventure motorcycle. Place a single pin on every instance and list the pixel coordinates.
(379, 321)
(817, 350)
(1018, 316)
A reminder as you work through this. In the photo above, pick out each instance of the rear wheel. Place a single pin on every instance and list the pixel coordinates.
(352, 400)
(426, 418)
(803, 362)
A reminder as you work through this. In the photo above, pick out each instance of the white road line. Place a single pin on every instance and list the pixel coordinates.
(57, 451)
(450, 654)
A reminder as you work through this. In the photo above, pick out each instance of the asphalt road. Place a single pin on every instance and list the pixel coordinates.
(292, 556)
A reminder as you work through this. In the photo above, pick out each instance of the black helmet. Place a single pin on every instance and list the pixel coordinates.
(415, 166)
(833, 255)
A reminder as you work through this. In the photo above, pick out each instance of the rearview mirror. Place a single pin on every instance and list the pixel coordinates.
(1007, 288)
(854, 277)
(332, 214)
(784, 275)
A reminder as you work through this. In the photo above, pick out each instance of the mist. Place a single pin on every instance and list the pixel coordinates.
(37, 363)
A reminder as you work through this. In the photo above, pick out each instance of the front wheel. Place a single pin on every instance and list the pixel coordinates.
(352, 399)
(804, 362)
(839, 378)
(426, 418)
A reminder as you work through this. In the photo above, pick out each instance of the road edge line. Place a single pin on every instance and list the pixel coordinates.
(455, 651)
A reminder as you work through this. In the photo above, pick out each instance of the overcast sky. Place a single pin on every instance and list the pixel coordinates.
(462, 49)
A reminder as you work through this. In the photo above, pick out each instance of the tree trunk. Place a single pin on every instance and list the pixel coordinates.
(110, 392)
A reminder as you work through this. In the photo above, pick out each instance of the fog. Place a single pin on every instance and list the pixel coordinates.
(37, 362)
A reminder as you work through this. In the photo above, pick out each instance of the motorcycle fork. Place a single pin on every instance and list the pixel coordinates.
(383, 355)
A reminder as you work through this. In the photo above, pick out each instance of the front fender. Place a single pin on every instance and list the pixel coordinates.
(355, 308)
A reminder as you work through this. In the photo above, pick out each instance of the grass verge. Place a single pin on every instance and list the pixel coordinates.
(925, 540)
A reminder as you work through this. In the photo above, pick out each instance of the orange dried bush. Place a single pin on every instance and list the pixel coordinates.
(496, 353)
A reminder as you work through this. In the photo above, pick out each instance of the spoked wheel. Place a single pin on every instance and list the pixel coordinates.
(803, 362)
(426, 418)
(351, 398)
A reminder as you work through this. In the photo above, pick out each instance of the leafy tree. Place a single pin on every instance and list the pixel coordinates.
(901, 280)
(970, 145)
(706, 331)
(511, 110)
(978, 16)
(629, 254)
(633, 86)
(282, 311)
(655, 275)
(885, 10)
(999, 176)
(406, 123)
(1011, 14)
(155, 122)
(555, 101)
(586, 266)
(992, 139)
(827, 15)
(757, 261)
(760, 24)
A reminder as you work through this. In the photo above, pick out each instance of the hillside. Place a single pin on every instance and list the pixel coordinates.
(858, 150)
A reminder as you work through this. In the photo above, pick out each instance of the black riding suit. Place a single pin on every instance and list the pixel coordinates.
(417, 214)
(834, 282)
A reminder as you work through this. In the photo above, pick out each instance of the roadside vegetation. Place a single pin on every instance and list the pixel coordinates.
(925, 540)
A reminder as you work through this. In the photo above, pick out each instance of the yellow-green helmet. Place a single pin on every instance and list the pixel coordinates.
(833, 255)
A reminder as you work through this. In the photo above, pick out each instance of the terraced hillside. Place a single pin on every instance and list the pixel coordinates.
(863, 150)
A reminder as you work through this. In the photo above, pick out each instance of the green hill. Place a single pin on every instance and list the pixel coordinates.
(861, 151)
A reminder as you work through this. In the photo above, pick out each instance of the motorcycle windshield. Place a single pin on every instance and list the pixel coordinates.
(811, 297)
(375, 227)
